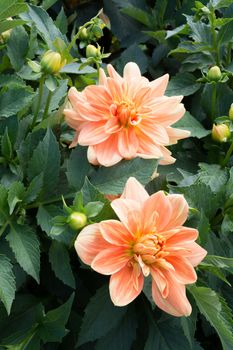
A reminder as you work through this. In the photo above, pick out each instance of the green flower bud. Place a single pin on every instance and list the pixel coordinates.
(214, 74)
(230, 113)
(97, 31)
(82, 34)
(52, 62)
(77, 220)
(221, 133)
(92, 51)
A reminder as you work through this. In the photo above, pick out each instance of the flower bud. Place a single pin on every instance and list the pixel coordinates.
(97, 31)
(92, 51)
(230, 113)
(77, 220)
(221, 133)
(52, 62)
(214, 74)
(82, 34)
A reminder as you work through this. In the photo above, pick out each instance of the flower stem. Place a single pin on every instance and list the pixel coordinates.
(228, 155)
(41, 88)
(50, 94)
(215, 44)
(213, 100)
(229, 54)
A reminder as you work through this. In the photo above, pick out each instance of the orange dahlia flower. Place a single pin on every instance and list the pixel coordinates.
(125, 117)
(149, 239)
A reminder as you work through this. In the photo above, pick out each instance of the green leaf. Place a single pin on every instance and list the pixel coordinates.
(10, 8)
(182, 84)
(160, 339)
(218, 261)
(112, 180)
(4, 208)
(44, 24)
(216, 311)
(15, 99)
(92, 209)
(52, 328)
(188, 122)
(7, 24)
(74, 68)
(214, 176)
(100, 317)
(46, 160)
(15, 195)
(61, 21)
(60, 262)
(139, 14)
(6, 146)
(34, 189)
(7, 282)
(25, 245)
(78, 167)
(225, 33)
(183, 29)
(123, 335)
(17, 47)
(46, 4)
(92, 194)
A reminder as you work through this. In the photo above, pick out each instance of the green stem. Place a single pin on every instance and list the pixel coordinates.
(98, 70)
(41, 87)
(2, 230)
(228, 155)
(213, 100)
(47, 105)
(75, 37)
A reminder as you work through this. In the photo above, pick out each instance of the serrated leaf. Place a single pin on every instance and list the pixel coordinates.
(46, 160)
(44, 24)
(160, 339)
(34, 189)
(60, 262)
(15, 195)
(112, 180)
(101, 316)
(25, 245)
(52, 328)
(216, 311)
(182, 84)
(15, 99)
(6, 146)
(77, 167)
(188, 122)
(17, 47)
(7, 282)
(92, 194)
(123, 334)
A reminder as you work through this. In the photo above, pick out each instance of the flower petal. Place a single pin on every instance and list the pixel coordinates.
(131, 71)
(129, 213)
(176, 134)
(158, 86)
(92, 133)
(134, 190)
(115, 232)
(184, 271)
(196, 254)
(180, 210)
(176, 302)
(107, 153)
(110, 261)
(125, 285)
(127, 143)
(89, 243)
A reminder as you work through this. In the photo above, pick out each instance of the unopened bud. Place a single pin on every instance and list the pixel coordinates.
(82, 34)
(52, 62)
(220, 132)
(97, 31)
(230, 113)
(214, 74)
(92, 51)
(77, 220)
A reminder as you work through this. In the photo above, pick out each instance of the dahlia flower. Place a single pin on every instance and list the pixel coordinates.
(149, 239)
(125, 117)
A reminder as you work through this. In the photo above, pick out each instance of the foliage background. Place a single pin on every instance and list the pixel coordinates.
(49, 299)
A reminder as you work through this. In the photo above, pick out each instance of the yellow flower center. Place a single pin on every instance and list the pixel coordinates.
(148, 247)
(126, 113)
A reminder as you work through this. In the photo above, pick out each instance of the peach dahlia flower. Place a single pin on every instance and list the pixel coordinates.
(149, 239)
(125, 117)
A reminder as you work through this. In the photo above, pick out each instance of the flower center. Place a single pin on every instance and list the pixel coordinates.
(126, 113)
(147, 248)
